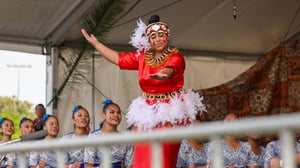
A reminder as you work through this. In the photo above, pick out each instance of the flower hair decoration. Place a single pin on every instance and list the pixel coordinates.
(45, 117)
(23, 119)
(2, 120)
(76, 108)
(107, 102)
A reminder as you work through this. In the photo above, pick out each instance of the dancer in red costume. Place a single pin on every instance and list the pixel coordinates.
(164, 102)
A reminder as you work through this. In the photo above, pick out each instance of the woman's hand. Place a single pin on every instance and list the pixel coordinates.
(89, 38)
(109, 54)
(75, 165)
(163, 74)
(159, 76)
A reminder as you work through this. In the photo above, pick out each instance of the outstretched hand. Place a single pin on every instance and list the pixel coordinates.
(163, 74)
(89, 38)
(159, 76)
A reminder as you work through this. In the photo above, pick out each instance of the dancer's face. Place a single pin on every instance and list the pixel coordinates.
(159, 41)
(27, 127)
(52, 126)
(81, 118)
(7, 128)
(112, 115)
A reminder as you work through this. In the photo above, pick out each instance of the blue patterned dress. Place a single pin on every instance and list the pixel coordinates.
(188, 156)
(73, 155)
(273, 150)
(119, 153)
(257, 160)
(12, 160)
(49, 156)
(233, 157)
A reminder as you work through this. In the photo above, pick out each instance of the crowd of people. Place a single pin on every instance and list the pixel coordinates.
(254, 151)
(122, 155)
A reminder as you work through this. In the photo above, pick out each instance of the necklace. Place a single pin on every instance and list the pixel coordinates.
(153, 62)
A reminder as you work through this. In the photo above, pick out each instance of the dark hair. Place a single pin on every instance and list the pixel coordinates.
(202, 116)
(46, 117)
(39, 105)
(101, 124)
(24, 119)
(107, 103)
(153, 19)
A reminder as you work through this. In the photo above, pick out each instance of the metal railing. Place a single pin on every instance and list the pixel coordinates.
(284, 125)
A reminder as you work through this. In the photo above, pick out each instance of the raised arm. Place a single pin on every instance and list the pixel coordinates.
(109, 54)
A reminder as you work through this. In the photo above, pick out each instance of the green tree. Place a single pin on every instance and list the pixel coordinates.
(15, 110)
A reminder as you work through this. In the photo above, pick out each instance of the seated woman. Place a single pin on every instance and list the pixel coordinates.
(273, 154)
(46, 158)
(26, 127)
(193, 153)
(7, 129)
(257, 150)
(81, 121)
(122, 155)
(236, 153)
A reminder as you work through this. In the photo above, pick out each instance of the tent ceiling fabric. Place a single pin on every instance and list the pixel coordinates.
(203, 27)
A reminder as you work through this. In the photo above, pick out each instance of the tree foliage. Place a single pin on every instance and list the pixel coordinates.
(15, 110)
(99, 22)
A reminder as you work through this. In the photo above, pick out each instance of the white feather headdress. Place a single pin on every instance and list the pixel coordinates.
(138, 38)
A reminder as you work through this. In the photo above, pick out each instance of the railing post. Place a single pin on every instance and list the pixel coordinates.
(106, 156)
(217, 151)
(288, 142)
(60, 157)
(156, 154)
(21, 160)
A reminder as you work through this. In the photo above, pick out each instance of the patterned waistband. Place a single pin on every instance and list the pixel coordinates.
(161, 96)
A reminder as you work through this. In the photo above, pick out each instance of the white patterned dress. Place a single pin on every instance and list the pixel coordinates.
(188, 156)
(233, 157)
(73, 155)
(12, 160)
(119, 153)
(257, 160)
(48, 156)
(273, 150)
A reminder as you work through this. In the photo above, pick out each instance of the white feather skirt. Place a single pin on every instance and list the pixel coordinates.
(180, 108)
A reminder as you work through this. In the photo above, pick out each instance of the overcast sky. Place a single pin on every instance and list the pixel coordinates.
(23, 75)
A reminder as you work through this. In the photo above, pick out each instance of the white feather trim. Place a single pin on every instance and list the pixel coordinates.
(138, 39)
(183, 107)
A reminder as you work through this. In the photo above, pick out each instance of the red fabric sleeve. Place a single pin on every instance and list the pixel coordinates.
(129, 61)
(177, 62)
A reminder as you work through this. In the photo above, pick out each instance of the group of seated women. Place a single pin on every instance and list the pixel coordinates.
(251, 152)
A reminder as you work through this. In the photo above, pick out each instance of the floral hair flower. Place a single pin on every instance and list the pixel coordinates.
(45, 117)
(2, 120)
(76, 108)
(107, 102)
(24, 119)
